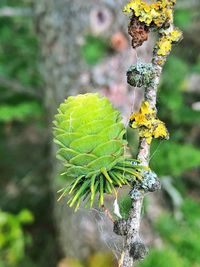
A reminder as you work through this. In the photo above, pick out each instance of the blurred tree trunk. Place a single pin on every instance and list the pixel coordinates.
(60, 26)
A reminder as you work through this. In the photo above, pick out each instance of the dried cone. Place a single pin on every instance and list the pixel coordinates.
(138, 31)
(90, 134)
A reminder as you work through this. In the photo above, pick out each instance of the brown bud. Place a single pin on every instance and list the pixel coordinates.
(138, 31)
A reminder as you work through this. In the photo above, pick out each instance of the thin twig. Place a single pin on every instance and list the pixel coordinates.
(107, 212)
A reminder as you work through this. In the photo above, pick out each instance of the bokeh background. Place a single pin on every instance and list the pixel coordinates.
(52, 49)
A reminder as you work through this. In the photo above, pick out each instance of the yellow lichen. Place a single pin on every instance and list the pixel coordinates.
(154, 14)
(160, 130)
(160, 62)
(148, 124)
(164, 44)
(175, 35)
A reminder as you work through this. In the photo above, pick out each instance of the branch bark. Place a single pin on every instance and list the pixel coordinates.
(134, 248)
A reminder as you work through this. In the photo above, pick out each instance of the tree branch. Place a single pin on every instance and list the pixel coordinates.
(134, 248)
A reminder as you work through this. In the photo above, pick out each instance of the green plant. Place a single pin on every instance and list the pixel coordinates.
(185, 158)
(12, 237)
(163, 258)
(19, 75)
(125, 204)
(94, 49)
(183, 235)
(20, 112)
(172, 96)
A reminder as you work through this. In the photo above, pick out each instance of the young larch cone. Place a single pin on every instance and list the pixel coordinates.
(90, 134)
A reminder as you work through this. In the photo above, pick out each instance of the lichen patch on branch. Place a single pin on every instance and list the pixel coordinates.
(164, 44)
(141, 74)
(148, 124)
(154, 15)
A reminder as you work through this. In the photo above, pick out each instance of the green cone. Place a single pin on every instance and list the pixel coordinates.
(90, 135)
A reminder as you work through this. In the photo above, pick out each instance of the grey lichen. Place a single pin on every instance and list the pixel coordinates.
(138, 250)
(140, 74)
(149, 183)
(136, 194)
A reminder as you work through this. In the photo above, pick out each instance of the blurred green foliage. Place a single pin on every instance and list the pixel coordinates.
(183, 18)
(172, 98)
(23, 182)
(13, 238)
(184, 234)
(125, 204)
(181, 238)
(94, 49)
(176, 156)
(18, 51)
(163, 258)
(18, 63)
(20, 112)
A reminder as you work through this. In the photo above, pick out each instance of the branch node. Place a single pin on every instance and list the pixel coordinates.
(136, 193)
(138, 250)
(120, 227)
(150, 182)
